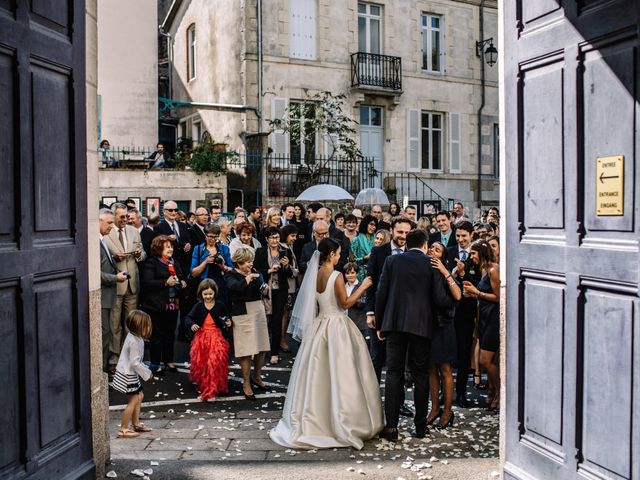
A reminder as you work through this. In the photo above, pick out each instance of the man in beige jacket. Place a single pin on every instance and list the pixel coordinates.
(125, 247)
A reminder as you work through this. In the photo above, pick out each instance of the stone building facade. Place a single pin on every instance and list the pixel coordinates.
(426, 126)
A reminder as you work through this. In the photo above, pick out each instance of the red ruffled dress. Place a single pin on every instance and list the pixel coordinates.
(209, 360)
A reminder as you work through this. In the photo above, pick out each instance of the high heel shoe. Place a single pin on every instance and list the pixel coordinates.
(439, 414)
(251, 396)
(260, 388)
(479, 385)
(448, 423)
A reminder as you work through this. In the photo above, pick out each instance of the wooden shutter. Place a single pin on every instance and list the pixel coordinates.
(280, 139)
(413, 140)
(302, 29)
(454, 143)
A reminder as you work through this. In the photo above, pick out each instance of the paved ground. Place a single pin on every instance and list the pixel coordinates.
(228, 439)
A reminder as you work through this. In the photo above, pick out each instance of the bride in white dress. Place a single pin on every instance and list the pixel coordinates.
(333, 398)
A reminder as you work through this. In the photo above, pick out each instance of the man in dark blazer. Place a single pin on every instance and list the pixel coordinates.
(446, 234)
(460, 263)
(109, 277)
(400, 227)
(409, 291)
(178, 233)
(196, 231)
(320, 232)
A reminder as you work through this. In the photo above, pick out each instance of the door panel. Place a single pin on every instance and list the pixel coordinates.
(573, 347)
(45, 427)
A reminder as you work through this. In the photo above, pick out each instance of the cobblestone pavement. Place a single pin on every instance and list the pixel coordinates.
(228, 438)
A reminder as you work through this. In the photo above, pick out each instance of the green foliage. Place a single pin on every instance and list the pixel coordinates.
(206, 158)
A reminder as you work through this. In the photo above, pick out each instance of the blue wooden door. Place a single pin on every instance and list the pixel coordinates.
(45, 420)
(573, 338)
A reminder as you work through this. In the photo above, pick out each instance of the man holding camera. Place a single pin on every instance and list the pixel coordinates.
(125, 247)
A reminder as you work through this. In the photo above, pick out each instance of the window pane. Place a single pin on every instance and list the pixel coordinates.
(437, 121)
(376, 116)
(425, 120)
(374, 10)
(362, 8)
(425, 49)
(362, 34)
(436, 136)
(435, 22)
(425, 20)
(435, 51)
(294, 110)
(374, 25)
(364, 116)
(425, 164)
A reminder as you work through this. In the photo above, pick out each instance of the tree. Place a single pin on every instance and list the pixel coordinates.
(322, 112)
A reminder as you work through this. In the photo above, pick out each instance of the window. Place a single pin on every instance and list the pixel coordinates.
(431, 141)
(303, 139)
(369, 28)
(432, 43)
(302, 29)
(191, 52)
(196, 133)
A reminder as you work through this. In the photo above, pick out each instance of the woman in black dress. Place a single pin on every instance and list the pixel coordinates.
(273, 262)
(161, 280)
(488, 294)
(301, 223)
(443, 347)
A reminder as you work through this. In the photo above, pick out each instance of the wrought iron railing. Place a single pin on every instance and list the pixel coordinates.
(287, 177)
(373, 70)
(411, 186)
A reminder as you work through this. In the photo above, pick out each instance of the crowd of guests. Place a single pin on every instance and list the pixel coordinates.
(227, 285)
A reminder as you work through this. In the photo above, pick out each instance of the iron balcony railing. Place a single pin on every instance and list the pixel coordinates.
(408, 185)
(373, 70)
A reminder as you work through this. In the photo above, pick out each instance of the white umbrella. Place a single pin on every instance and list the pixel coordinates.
(370, 197)
(324, 192)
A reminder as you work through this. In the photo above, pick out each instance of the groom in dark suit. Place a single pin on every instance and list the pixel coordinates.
(408, 293)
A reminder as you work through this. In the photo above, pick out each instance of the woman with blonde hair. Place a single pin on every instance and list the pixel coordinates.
(250, 329)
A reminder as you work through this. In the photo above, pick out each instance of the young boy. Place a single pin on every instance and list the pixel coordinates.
(357, 312)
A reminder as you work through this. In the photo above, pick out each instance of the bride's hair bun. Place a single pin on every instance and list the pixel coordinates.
(326, 247)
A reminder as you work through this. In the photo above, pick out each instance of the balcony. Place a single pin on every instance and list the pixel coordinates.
(379, 73)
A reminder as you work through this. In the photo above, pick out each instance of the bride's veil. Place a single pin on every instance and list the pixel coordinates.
(305, 308)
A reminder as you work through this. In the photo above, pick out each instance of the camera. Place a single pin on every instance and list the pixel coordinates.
(217, 259)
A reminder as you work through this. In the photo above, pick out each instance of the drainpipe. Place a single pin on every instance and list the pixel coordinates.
(260, 79)
(481, 109)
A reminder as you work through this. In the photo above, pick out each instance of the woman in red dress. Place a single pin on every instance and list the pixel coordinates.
(208, 320)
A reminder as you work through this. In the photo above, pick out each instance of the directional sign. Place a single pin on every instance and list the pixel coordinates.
(610, 186)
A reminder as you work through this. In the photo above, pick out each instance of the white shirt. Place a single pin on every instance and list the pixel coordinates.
(394, 249)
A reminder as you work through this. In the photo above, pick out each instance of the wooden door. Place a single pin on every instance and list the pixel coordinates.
(45, 425)
(573, 337)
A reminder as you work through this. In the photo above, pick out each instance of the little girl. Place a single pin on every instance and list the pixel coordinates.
(129, 370)
(209, 349)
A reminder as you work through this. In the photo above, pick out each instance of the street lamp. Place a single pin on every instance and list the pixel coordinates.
(490, 54)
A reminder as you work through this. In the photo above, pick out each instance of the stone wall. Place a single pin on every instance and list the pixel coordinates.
(168, 185)
(128, 72)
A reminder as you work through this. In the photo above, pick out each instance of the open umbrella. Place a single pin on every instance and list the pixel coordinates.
(370, 197)
(324, 192)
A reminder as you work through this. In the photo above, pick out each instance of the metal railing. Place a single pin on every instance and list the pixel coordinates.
(373, 70)
(410, 185)
(125, 157)
(289, 177)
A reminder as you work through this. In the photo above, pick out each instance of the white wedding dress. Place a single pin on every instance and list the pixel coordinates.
(333, 398)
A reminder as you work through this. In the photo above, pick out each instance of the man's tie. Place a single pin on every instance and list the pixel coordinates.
(397, 251)
(463, 255)
(175, 231)
(121, 238)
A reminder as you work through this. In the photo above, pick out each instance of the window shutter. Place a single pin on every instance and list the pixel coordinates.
(280, 140)
(454, 143)
(302, 29)
(413, 140)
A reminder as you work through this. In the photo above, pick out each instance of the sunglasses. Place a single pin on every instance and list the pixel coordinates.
(170, 209)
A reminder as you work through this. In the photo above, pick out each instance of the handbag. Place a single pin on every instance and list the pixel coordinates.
(266, 299)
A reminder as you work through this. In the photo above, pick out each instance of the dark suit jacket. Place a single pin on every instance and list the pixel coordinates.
(437, 237)
(240, 292)
(108, 280)
(179, 255)
(196, 235)
(374, 269)
(467, 306)
(146, 236)
(409, 292)
(155, 291)
(261, 264)
(305, 256)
